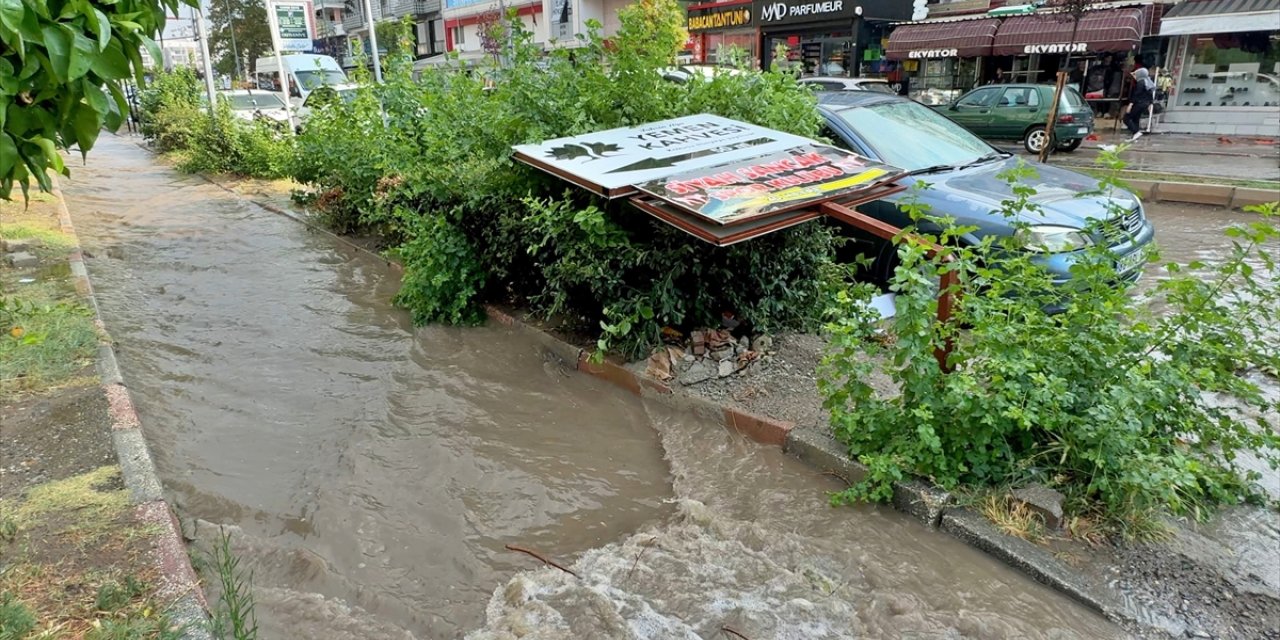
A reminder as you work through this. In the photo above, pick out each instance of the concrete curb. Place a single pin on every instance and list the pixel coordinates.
(1220, 195)
(178, 583)
(927, 504)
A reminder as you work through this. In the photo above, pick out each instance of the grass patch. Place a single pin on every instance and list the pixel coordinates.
(76, 564)
(45, 343)
(1013, 518)
(51, 239)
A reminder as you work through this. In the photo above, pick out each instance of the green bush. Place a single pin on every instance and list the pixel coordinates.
(168, 107)
(1113, 401)
(223, 143)
(435, 157)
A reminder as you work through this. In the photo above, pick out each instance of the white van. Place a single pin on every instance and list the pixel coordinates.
(306, 72)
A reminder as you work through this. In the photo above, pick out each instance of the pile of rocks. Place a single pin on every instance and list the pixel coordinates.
(706, 355)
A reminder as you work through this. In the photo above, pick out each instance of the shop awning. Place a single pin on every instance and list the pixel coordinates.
(1220, 16)
(1105, 30)
(954, 38)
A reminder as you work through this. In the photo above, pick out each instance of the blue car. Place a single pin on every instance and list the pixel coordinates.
(963, 171)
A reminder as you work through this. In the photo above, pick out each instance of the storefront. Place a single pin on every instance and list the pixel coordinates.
(718, 28)
(1226, 68)
(941, 59)
(826, 37)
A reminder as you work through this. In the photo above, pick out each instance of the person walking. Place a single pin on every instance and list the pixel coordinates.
(1141, 96)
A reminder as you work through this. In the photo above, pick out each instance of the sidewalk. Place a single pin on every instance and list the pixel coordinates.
(1176, 154)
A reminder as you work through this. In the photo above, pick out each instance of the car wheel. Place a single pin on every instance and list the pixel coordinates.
(1070, 145)
(1036, 139)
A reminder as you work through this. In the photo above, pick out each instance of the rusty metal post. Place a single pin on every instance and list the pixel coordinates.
(887, 231)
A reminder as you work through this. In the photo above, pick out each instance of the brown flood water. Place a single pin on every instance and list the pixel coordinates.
(372, 473)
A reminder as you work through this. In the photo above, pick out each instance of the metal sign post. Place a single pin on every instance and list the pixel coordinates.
(207, 63)
(373, 42)
(274, 24)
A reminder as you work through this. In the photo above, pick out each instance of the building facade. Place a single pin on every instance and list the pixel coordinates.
(1224, 63)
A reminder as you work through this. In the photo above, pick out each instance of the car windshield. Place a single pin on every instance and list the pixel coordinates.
(329, 95)
(249, 101)
(912, 136)
(312, 78)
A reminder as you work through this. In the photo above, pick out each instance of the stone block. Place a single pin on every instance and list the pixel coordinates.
(921, 500)
(1214, 194)
(22, 260)
(817, 448)
(1244, 197)
(759, 428)
(19, 245)
(1042, 501)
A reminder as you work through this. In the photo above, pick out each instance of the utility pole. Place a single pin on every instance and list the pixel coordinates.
(373, 41)
(204, 53)
(273, 23)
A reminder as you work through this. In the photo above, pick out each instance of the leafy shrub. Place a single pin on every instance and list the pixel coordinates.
(434, 157)
(223, 143)
(168, 108)
(1113, 401)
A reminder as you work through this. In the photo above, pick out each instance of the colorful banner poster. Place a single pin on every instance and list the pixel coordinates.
(734, 192)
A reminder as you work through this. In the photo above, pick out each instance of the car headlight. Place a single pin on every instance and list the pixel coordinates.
(1052, 239)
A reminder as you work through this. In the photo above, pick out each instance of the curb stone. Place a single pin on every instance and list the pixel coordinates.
(927, 504)
(178, 583)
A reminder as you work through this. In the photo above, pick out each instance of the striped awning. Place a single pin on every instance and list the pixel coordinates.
(1221, 16)
(1105, 30)
(947, 39)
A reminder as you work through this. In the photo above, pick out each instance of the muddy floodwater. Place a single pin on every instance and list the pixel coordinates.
(372, 473)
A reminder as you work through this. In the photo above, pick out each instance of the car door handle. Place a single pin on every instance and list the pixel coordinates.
(984, 111)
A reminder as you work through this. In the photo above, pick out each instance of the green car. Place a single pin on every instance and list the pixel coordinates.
(1019, 112)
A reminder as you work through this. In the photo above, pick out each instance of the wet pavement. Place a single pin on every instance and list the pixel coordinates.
(1235, 158)
(372, 473)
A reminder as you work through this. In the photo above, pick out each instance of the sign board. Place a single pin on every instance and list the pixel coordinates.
(611, 162)
(713, 17)
(295, 29)
(769, 13)
(763, 185)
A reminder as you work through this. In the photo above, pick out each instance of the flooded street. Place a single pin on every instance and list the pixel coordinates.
(372, 473)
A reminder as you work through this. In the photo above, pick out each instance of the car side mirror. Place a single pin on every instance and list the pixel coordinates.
(954, 106)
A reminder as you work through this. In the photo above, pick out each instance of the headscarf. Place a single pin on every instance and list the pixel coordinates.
(1144, 78)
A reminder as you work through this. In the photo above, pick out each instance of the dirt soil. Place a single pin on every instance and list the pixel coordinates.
(782, 384)
(53, 437)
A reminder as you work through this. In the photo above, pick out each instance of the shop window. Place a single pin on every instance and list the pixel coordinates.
(1231, 70)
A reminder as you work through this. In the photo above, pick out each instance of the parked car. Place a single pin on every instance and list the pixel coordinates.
(250, 105)
(832, 83)
(322, 96)
(683, 74)
(963, 171)
(1019, 112)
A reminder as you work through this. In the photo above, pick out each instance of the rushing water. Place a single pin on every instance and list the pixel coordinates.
(373, 473)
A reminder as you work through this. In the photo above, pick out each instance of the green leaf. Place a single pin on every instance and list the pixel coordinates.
(86, 123)
(156, 55)
(101, 26)
(11, 12)
(94, 95)
(57, 42)
(83, 51)
(8, 154)
(111, 64)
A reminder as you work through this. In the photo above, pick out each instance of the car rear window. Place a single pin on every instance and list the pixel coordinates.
(1071, 98)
